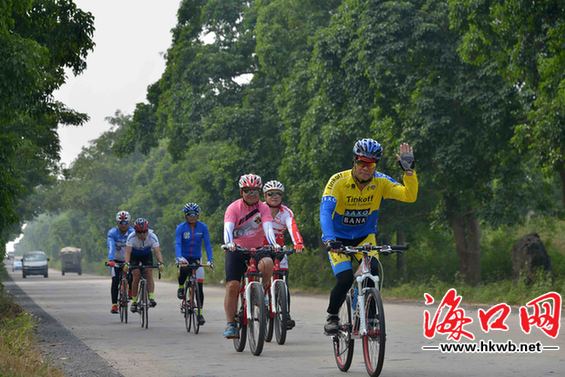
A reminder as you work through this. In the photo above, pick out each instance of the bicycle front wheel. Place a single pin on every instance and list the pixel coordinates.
(239, 342)
(123, 301)
(144, 306)
(281, 311)
(343, 341)
(374, 340)
(187, 309)
(256, 326)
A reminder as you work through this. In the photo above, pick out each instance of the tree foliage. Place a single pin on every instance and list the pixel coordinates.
(38, 40)
(523, 41)
(283, 89)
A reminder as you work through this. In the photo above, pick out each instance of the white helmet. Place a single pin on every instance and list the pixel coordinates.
(123, 216)
(273, 185)
(250, 180)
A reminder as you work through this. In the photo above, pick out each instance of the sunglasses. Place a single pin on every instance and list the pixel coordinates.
(124, 223)
(363, 164)
(249, 190)
(274, 193)
(191, 214)
(140, 232)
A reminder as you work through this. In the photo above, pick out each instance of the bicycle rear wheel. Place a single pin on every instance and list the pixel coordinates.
(239, 342)
(196, 307)
(374, 340)
(270, 320)
(343, 341)
(257, 326)
(187, 308)
(281, 311)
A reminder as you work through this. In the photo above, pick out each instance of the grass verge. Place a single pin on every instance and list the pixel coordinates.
(19, 354)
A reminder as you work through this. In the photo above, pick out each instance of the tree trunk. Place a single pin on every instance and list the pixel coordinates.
(467, 236)
(401, 267)
(562, 175)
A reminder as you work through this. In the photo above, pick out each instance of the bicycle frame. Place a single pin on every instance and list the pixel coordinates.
(252, 276)
(365, 269)
(280, 276)
(368, 326)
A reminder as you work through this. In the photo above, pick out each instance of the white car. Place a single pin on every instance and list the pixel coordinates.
(17, 264)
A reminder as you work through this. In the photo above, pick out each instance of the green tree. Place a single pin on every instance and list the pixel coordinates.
(38, 40)
(523, 41)
(391, 69)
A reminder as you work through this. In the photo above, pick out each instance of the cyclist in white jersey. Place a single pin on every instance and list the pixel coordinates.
(283, 220)
(139, 248)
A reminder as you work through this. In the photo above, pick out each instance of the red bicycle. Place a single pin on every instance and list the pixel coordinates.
(278, 309)
(251, 317)
(123, 296)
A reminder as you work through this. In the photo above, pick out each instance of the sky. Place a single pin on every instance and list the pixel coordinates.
(131, 39)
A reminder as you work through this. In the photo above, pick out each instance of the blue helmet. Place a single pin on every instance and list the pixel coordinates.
(368, 149)
(191, 209)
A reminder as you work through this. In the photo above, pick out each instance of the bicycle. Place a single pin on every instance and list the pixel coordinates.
(142, 293)
(123, 296)
(368, 319)
(192, 307)
(278, 308)
(250, 318)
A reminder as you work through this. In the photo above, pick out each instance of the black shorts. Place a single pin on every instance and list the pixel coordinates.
(236, 265)
(145, 260)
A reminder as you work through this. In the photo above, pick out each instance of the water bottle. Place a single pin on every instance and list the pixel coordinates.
(354, 298)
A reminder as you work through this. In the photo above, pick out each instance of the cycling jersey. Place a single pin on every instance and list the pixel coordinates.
(116, 242)
(284, 220)
(349, 213)
(247, 225)
(188, 241)
(142, 247)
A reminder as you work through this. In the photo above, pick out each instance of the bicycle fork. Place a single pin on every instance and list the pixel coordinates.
(361, 300)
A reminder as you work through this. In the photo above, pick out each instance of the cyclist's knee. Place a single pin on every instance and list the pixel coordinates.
(232, 286)
(344, 279)
(266, 264)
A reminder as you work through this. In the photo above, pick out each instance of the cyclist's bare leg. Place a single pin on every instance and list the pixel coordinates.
(266, 267)
(230, 300)
(150, 281)
(135, 282)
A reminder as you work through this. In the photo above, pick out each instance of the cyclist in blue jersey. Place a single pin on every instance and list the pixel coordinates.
(350, 208)
(140, 246)
(189, 236)
(116, 241)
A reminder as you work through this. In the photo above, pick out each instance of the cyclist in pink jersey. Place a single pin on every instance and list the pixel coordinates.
(247, 222)
(283, 220)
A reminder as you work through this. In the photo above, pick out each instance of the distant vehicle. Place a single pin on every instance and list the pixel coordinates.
(34, 263)
(10, 255)
(17, 264)
(70, 260)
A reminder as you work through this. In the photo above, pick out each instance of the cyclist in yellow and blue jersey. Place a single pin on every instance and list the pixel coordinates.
(349, 212)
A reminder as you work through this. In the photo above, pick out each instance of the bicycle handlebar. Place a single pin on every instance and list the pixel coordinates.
(267, 249)
(116, 264)
(381, 249)
(193, 265)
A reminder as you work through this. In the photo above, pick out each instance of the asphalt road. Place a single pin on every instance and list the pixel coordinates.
(81, 304)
